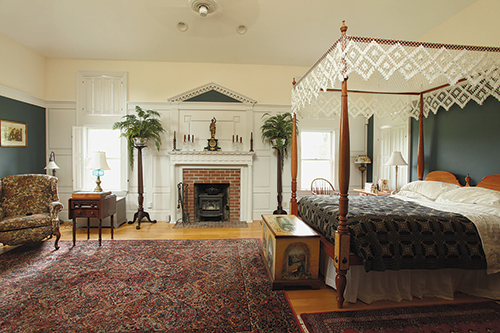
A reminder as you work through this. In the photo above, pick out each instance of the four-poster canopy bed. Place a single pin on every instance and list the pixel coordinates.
(386, 78)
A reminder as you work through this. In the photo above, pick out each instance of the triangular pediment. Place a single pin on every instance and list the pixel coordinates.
(212, 92)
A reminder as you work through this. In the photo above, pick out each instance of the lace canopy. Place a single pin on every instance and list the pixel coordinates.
(386, 78)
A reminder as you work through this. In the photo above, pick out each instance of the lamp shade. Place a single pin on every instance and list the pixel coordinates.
(396, 159)
(52, 162)
(98, 161)
(362, 159)
(51, 166)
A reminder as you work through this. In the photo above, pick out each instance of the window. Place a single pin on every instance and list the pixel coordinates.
(101, 93)
(93, 139)
(101, 101)
(316, 156)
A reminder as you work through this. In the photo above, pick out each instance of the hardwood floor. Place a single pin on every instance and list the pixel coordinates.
(303, 300)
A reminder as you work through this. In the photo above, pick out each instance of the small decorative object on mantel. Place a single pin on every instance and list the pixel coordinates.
(251, 141)
(175, 142)
(213, 144)
(189, 142)
(238, 144)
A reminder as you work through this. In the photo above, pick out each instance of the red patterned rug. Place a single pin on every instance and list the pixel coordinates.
(469, 317)
(141, 286)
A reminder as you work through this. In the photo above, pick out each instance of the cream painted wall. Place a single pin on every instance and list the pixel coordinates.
(476, 25)
(157, 81)
(21, 69)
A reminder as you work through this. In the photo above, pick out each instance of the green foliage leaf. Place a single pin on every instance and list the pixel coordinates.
(144, 124)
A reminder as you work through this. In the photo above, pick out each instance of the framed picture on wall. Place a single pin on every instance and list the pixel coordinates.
(13, 134)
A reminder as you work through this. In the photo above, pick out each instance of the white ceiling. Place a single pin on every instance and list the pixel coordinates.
(280, 32)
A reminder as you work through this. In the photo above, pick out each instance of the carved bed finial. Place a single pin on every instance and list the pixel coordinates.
(467, 180)
(343, 28)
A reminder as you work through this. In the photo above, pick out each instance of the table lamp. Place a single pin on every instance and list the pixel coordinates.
(396, 159)
(98, 164)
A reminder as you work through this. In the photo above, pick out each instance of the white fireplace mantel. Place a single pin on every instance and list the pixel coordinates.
(180, 160)
(211, 157)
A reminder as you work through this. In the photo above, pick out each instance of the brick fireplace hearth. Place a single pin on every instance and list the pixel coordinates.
(234, 168)
(215, 176)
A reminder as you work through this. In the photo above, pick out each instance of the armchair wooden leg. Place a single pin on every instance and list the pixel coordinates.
(57, 232)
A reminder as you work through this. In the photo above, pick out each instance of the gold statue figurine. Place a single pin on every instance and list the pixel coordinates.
(212, 127)
(212, 142)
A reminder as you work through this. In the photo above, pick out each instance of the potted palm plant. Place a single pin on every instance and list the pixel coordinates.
(278, 130)
(139, 128)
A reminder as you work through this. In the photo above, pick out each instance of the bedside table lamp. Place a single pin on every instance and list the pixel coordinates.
(362, 160)
(98, 164)
(396, 159)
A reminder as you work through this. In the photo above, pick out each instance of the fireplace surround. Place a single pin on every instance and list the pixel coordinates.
(234, 168)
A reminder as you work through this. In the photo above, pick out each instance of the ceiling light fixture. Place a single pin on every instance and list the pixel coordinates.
(182, 26)
(203, 7)
(203, 11)
(242, 29)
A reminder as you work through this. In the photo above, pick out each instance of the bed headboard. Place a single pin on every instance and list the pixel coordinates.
(444, 176)
(491, 182)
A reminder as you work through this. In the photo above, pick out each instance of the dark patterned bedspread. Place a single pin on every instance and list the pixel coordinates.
(391, 234)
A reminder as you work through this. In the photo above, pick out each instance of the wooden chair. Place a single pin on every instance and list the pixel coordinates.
(322, 186)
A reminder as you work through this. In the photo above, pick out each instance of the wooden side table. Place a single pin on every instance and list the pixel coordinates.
(366, 193)
(290, 249)
(92, 204)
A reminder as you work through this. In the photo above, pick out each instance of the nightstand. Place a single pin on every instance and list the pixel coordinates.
(363, 193)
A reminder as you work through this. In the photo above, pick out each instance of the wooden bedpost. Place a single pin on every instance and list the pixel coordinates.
(420, 162)
(342, 236)
(293, 199)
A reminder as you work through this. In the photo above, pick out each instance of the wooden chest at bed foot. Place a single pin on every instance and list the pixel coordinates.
(290, 249)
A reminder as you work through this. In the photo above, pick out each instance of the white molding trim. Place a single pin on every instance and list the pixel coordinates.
(62, 105)
(21, 96)
(208, 87)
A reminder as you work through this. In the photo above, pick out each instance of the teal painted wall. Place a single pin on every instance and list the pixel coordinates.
(30, 159)
(460, 141)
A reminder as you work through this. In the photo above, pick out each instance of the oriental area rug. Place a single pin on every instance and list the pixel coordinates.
(469, 317)
(218, 285)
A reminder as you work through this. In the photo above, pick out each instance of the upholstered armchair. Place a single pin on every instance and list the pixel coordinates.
(29, 208)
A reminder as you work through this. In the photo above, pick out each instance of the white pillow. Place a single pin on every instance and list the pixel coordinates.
(429, 189)
(471, 195)
(412, 195)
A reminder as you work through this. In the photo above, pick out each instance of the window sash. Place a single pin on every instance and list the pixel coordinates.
(311, 168)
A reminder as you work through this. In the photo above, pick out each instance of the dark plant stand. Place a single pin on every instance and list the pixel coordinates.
(140, 214)
(279, 210)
